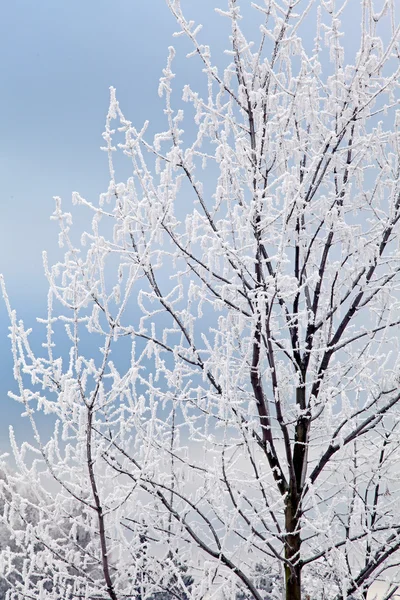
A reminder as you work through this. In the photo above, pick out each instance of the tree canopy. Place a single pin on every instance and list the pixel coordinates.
(221, 349)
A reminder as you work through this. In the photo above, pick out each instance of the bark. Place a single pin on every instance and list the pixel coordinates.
(292, 548)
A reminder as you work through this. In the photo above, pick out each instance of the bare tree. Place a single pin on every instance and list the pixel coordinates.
(230, 391)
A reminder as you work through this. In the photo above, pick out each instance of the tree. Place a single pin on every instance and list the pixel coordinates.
(266, 581)
(243, 289)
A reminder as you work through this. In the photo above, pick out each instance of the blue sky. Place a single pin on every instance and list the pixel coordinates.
(57, 61)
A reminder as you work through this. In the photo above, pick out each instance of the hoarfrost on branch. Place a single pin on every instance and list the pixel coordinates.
(227, 409)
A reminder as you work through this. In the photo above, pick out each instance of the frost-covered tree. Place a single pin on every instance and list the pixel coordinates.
(222, 347)
(266, 581)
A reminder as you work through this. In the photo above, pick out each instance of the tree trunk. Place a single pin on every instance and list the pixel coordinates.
(293, 583)
(292, 549)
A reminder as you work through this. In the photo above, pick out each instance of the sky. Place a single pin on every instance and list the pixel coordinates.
(58, 60)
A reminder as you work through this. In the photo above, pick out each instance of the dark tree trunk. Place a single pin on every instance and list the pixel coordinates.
(292, 548)
(293, 508)
(293, 583)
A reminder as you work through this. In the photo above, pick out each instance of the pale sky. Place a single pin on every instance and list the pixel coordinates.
(58, 60)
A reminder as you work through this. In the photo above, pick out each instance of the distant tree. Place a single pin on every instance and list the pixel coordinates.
(230, 389)
(267, 582)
